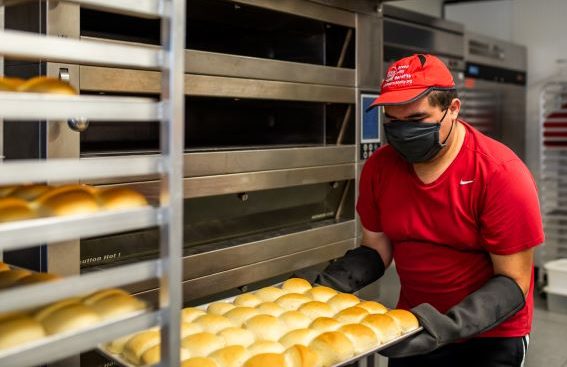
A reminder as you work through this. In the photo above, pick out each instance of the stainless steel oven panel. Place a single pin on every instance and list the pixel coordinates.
(493, 52)
(359, 6)
(368, 52)
(253, 181)
(227, 162)
(99, 79)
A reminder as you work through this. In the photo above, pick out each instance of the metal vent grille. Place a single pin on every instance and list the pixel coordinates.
(481, 109)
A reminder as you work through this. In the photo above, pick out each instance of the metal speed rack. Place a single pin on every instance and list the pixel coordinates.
(169, 110)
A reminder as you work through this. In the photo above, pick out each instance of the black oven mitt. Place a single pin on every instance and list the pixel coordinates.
(493, 303)
(353, 271)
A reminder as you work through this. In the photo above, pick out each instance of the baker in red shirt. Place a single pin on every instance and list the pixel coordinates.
(459, 214)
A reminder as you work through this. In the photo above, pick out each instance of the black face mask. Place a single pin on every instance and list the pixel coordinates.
(416, 141)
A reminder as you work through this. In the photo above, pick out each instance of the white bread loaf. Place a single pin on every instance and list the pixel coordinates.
(231, 356)
(120, 198)
(332, 347)
(67, 200)
(270, 308)
(384, 326)
(321, 293)
(72, 317)
(220, 308)
(373, 307)
(266, 360)
(351, 315)
(44, 312)
(405, 319)
(342, 301)
(202, 344)
(269, 294)
(237, 336)
(326, 324)
(299, 336)
(265, 346)
(296, 285)
(240, 315)
(292, 301)
(301, 356)
(189, 314)
(361, 337)
(295, 320)
(316, 309)
(112, 307)
(247, 300)
(97, 296)
(19, 330)
(136, 346)
(213, 323)
(266, 327)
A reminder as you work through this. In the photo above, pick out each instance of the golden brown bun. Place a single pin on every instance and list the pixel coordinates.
(265, 346)
(213, 323)
(12, 209)
(189, 314)
(10, 84)
(296, 285)
(237, 336)
(325, 324)
(269, 294)
(105, 293)
(295, 320)
(72, 317)
(19, 330)
(231, 356)
(66, 201)
(120, 198)
(384, 326)
(220, 308)
(7, 316)
(38, 278)
(46, 311)
(292, 301)
(42, 84)
(202, 344)
(4, 266)
(199, 362)
(301, 356)
(342, 301)
(10, 277)
(405, 319)
(117, 345)
(240, 315)
(321, 293)
(266, 327)
(270, 308)
(299, 336)
(153, 355)
(115, 306)
(316, 309)
(29, 192)
(139, 344)
(190, 329)
(247, 300)
(373, 307)
(351, 315)
(266, 360)
(5, 190)
(332, 347)
(361, 337)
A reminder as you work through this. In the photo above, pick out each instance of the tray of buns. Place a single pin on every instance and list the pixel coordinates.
(286, 325)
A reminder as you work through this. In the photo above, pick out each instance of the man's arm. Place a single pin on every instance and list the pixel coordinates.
(517, 266)
(379, 242)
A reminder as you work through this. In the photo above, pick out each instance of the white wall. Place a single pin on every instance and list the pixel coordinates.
(489, 17)
(433, 8)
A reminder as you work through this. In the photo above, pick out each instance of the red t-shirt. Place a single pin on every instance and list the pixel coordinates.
(442, 233)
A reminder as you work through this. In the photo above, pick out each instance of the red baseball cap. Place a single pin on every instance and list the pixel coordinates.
(411, 78)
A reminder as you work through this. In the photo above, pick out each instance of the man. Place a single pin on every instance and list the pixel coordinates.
(459, 214)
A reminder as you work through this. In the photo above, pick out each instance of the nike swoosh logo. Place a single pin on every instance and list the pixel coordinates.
(466, 182)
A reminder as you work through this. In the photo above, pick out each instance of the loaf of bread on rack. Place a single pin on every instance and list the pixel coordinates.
(265, 346)
(72, 317)
(102, 294)
(10, 84)
(299, 336)
(220, 308)
(269, 294)
(270, 308)
(43, 84)
(296, 285)
(202, 344)
(153, 355)
(12, 276)
(237, 336)
(18, 330)
(321, 293)
(29, 192)
(136, 346)
(38, 278)
(112, 307)
(120, 198)
(13, 209)
(67, 200)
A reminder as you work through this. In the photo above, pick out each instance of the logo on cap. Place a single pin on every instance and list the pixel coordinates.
(390, 76)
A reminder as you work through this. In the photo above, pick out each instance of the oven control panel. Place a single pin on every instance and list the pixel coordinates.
(369, 126)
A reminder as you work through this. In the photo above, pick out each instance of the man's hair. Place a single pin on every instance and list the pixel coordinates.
(442, 98)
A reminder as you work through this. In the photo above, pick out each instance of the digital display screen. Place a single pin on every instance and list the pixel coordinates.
(474, 70)
(370, 120)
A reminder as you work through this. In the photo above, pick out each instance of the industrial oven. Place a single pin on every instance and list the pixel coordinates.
(276, 134)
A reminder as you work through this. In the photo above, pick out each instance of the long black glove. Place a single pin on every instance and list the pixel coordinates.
(353, 271)
(493, 303)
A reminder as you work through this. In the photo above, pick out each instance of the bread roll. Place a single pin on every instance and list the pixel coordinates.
(189, 314)
(43, 84)
(231, 356)
(301, 356)
(72, 317)
(219, 308)
(299, 336)
(117, 345)
(112, 307)
(269, 294)
(296, 285)
(292, 301)
(270, 308)
(237, 336)
(266, 360)
(266, 327)
(139, 344)
(190, 329)
(10, 277)
(295, 320)
(67, 201)
(46, 311)
(153, 355)
(351, 315)
(383, 326)
(4, 266)
(240, 315)
(120, 198)
(19, 330)
(38, 278)
(332, 347)
(316, 309)
(405, 319)
(361, 337)
(10, 84)
(247, 300)
(199, 362)
(29, 192)
(97, 296)
(321, 293)
(373, 307)
(202, 344)
(213, 323)
(325, 324)
(265, 346)
(12, 209)
(342, 301)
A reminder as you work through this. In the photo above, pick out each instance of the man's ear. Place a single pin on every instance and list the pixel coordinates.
(455, 108)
